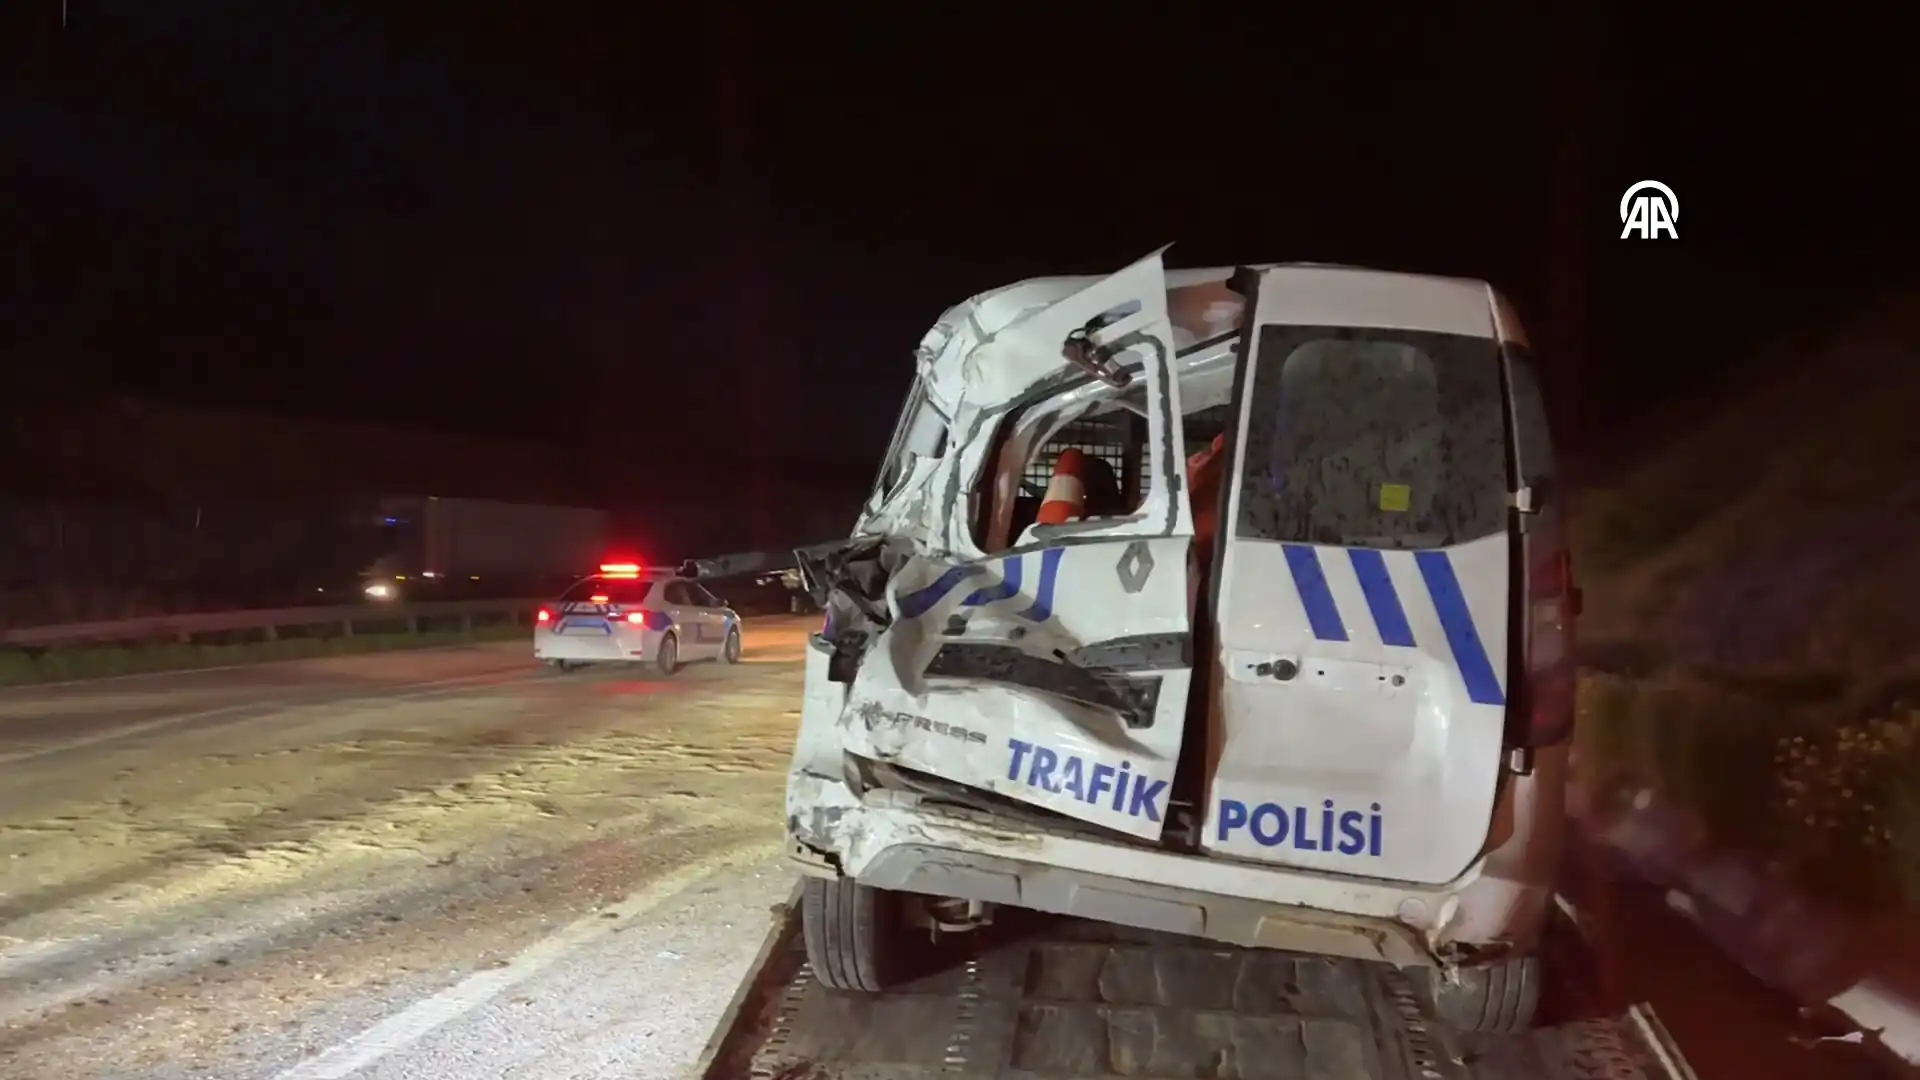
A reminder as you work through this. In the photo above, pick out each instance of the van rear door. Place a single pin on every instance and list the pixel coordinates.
(1054, 673)
(1362, 599)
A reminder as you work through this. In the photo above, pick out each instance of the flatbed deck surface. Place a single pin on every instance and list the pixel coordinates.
(1063, 998)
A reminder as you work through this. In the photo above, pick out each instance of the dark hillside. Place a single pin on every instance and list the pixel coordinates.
(1752, 626)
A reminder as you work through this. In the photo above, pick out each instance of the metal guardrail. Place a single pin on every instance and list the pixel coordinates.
(268, 622)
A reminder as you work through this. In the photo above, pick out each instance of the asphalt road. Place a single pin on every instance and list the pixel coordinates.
(455, 864)
(437, 864)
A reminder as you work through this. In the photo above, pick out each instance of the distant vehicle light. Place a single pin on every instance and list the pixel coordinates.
(380, 591)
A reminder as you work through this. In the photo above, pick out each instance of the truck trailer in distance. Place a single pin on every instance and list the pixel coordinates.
(449, 548)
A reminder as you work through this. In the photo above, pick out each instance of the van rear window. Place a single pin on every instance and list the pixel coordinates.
(1373, 438)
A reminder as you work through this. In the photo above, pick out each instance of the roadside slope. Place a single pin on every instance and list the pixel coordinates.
(1750, 710)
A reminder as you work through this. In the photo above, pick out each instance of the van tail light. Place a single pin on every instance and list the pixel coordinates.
(637, 618)
(1545, 705)
(543, 616)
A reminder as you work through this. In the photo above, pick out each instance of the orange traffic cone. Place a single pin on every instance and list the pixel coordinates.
(1067, 491)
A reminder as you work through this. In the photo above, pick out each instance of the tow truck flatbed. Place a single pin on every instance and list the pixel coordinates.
(1056, 998)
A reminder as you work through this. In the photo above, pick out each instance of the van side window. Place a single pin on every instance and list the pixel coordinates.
(1014, 487)
(919, 433)
(1111, 435)
(1114, 444)
(1119, 441)
(1115, 461)
(1202, 427)
(1373, 438)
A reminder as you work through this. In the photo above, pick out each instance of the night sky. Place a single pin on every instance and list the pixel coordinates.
(714, 233)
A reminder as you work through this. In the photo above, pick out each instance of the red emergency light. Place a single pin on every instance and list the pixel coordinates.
(620, 569)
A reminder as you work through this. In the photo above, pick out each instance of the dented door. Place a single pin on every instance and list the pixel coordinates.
(1363, 598)
(1055, 674)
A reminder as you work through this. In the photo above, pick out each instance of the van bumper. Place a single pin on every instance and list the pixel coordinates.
(892, 840)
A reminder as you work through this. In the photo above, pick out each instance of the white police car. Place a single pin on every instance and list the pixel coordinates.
(627, 614)
(1308, 688)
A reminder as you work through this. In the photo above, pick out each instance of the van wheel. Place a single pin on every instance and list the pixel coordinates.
(667, 656)
(562, 666)
(1500, 999)
(730, 652)
(853, 934)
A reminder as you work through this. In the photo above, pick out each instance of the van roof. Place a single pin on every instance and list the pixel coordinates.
(1322, 293)
(1201, 308)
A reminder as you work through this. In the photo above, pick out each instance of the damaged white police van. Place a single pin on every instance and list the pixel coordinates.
(1232, 602)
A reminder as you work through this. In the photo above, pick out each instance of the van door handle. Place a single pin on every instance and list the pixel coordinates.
(1281, 670)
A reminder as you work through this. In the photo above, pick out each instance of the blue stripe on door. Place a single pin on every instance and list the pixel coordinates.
(920, 601)
(1007, 588)
(1042, 607)
(1450, 603)
(1308, 577)
(1382, 600)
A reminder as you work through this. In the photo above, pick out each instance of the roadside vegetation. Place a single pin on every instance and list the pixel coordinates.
(1752, 628)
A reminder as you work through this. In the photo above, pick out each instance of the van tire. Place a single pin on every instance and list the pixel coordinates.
(853, 934)
(666, 656)
(1500, 999)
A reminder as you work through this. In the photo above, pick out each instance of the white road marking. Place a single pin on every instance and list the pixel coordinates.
(410, 1025)
(401, 692)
